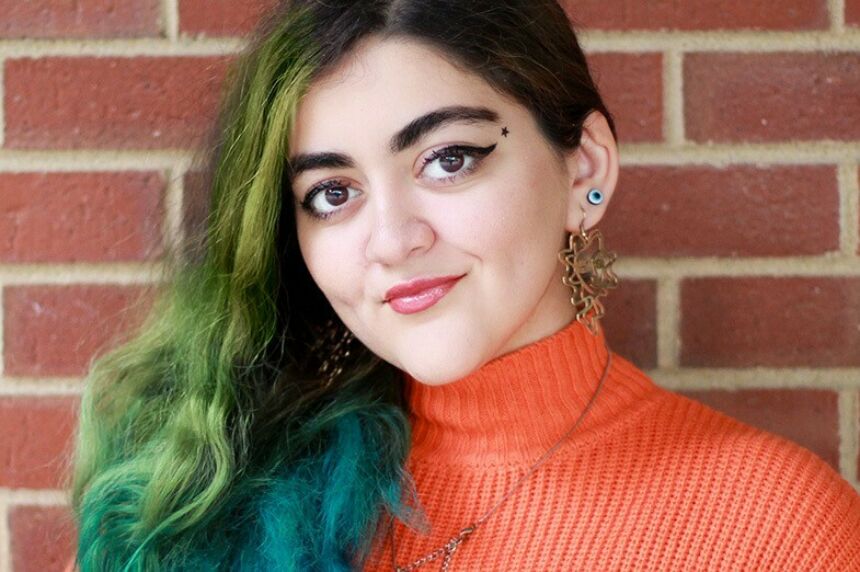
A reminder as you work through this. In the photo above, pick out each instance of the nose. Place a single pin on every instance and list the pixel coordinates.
(398, 230)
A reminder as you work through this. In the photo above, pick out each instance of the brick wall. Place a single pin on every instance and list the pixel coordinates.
(736, 219)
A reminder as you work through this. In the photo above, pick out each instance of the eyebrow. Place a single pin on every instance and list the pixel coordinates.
(403, 139)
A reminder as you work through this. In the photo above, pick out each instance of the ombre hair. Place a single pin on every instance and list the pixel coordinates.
(208, 439)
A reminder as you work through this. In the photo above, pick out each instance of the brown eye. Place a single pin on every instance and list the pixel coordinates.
(451, 163)
(454, 162)
(336, 196)
(326, 198)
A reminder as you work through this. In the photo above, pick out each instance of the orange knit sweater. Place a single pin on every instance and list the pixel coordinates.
(651, 480)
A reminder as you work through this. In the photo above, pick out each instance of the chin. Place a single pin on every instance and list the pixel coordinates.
(442, 369)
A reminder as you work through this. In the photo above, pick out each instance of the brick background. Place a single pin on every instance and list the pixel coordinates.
(54, 330)
(852, 12)
(770, 321)
(738, 211)
(736, 218)
(79, 19)
(632, 86)
(630, 321)
(106, 216)
(36, 440)
(735, 97)
(84, 102)
(42, 537)
(220, 17)
(698, 16)
(809, 417)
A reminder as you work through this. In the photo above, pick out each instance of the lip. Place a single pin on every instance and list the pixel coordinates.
(419, 294)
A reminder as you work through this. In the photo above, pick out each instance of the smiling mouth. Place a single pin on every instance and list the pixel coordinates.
(423, 299)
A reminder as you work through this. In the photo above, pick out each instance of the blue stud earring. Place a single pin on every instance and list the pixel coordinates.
(587, 270)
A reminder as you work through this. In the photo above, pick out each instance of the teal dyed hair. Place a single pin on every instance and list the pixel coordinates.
(208, 440)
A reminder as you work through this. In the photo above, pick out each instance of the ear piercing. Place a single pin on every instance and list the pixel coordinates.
(595, 196)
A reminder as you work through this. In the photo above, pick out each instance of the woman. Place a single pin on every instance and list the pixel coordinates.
(386, 352)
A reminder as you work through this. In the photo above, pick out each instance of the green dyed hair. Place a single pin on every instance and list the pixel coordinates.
(209, 440)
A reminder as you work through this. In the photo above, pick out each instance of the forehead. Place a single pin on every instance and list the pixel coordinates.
(377, 89)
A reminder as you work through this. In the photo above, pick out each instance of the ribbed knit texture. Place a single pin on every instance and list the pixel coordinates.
(651, 480)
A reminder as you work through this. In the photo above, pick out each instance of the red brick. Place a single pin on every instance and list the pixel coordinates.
(727, 15)
(630, 320)
(739, 210)
(763, 97)
(632, 88)
(43, 538)
(770, 321)
(809, 417)
(852, 12)
(35, 450)
(195, 202)
(220, 17)
(79, 19)
(65, 217)
(114, 102)
(56, 329)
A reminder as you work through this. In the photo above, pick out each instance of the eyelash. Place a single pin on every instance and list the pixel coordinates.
(477, 153)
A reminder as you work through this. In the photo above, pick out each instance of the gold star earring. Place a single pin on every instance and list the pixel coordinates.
(587, 269)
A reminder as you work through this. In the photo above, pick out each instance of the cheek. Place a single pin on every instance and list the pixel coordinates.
(503, 218)
(516, 227)
(315, 254)
(332, 265)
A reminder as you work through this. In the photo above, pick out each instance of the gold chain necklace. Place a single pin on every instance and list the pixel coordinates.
(454, 542)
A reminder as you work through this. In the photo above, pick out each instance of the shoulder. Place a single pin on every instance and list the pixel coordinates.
(730, 492)
(793, 509)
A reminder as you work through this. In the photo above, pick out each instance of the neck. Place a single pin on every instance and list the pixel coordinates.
(515, 406)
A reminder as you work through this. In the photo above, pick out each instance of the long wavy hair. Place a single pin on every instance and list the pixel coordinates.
(209, 439)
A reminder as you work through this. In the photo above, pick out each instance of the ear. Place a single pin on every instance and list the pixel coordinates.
(594, 164)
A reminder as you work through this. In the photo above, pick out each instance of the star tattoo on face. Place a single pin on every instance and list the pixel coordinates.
(505, 131)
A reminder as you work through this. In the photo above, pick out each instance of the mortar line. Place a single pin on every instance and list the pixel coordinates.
(836, 14)
(849, 208)
(759, 377)
(668, 319)
(591, 40)
(170, 19)
(122, 48)
(14, 497)
(34, 387)
(115, 274)
(848, 451)
(720, 41)
(673, 98)
(174, 204)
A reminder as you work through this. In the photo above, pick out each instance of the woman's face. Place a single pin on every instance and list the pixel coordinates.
(492, 205)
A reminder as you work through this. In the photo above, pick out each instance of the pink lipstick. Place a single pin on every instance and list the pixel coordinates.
(420, 294)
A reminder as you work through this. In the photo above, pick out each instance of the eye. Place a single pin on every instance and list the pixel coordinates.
(451, 163)
(325, 199)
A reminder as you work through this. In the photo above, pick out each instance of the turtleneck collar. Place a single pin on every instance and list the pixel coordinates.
(519, 404)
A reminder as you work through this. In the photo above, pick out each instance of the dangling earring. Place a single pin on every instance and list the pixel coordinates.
(334, 347)
(588, 275)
